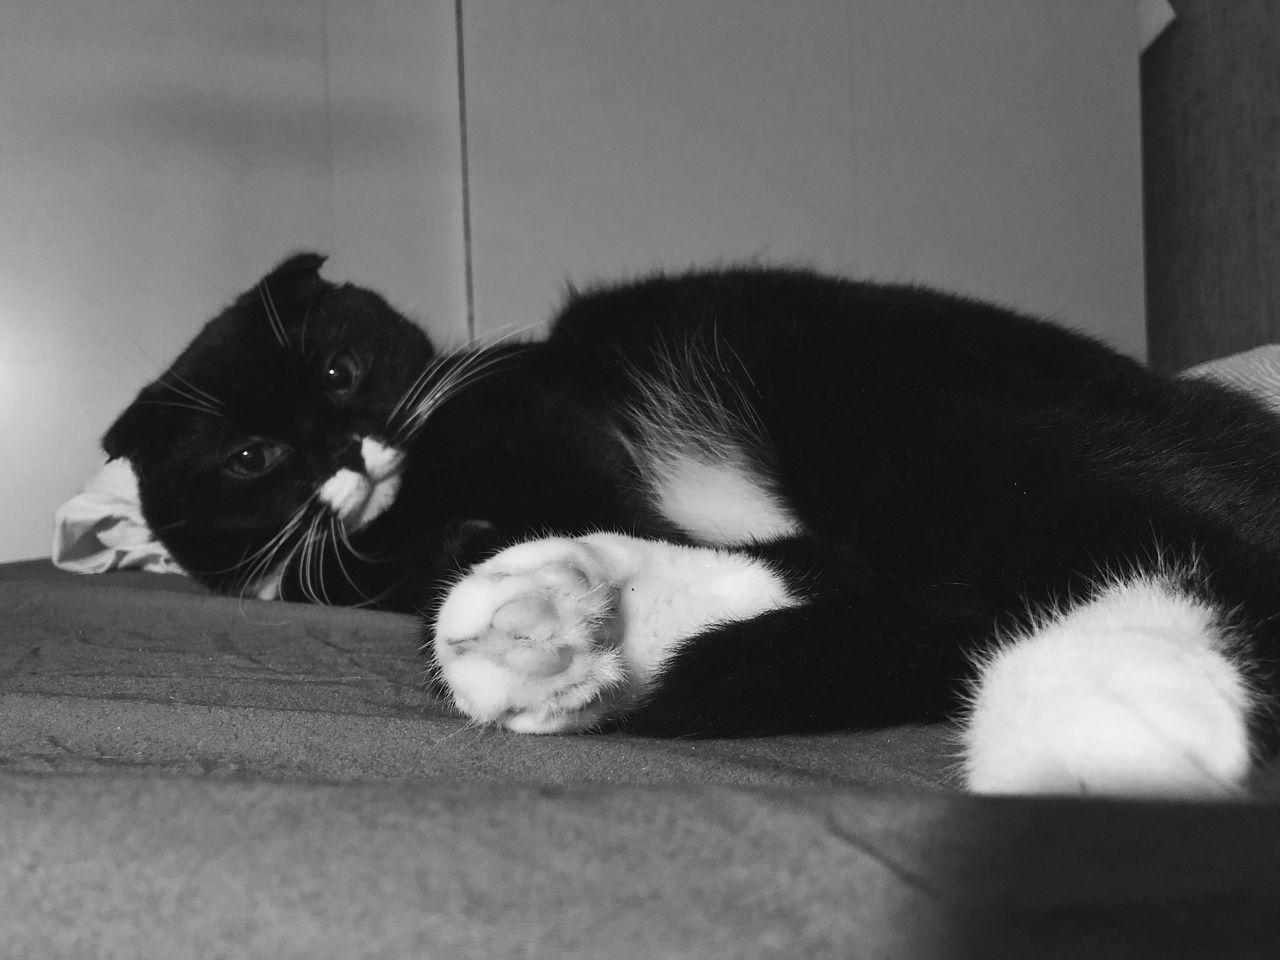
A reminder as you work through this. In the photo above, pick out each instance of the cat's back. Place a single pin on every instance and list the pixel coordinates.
(788, 329)
(899, 394)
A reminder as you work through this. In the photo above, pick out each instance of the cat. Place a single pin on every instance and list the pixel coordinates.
(749, 501)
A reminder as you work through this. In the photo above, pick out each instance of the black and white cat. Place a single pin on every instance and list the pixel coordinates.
(752, 501)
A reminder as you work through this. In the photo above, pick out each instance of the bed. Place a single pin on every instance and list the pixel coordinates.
(186, 775)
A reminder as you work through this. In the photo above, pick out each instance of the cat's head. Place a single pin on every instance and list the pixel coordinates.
(280, 429)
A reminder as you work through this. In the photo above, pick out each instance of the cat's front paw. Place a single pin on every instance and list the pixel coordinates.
(530, 639)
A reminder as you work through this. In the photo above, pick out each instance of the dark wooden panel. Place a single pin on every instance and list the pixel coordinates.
(1211, 162)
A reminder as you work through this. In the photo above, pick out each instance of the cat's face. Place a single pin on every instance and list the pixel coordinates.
(280, 432)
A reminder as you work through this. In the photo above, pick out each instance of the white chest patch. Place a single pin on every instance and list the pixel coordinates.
(720, 503)
(358, 498)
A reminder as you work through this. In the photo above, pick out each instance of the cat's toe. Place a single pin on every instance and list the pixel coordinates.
(528, 640)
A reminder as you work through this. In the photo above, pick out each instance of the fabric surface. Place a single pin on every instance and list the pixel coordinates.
(184, 775)
(101, 528)
(181, 868)
(1255, 371)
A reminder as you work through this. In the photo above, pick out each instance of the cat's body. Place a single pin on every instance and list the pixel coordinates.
(763, 501)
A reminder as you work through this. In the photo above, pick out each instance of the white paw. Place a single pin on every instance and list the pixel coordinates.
(530, 639)
(1131, 694)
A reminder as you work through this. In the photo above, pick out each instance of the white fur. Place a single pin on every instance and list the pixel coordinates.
(554, 635)
(380, 460)
(1133, 693)
(268, 587)
(720, 503)
(359, 498)
(699, 448)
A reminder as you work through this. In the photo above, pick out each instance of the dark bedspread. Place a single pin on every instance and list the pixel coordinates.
(191, 776)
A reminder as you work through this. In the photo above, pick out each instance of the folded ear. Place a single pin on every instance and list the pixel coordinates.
(132, 429)
(298, 267)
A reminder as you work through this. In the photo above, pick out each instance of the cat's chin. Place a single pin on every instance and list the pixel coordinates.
(381, 497)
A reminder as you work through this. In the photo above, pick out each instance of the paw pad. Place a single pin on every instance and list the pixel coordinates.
(525, 639)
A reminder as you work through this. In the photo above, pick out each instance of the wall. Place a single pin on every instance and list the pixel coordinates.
(990, 146)
(159, 155)
(1211, 129)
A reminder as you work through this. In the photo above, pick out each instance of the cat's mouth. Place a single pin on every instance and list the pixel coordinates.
(358, 498)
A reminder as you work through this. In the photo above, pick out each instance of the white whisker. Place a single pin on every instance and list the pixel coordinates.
(446, 376)
(339, 533)
(345, 541)
(192, 392)
(306, 316)
(198, 408)
(305, 574)
(273, 316)
(262, 561)
(409, 398)
(470, 370)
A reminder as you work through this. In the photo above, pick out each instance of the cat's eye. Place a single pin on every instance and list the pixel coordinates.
(254, 459)
(342, 373)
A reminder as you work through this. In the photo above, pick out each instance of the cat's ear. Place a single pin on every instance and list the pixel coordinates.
(296, 269)
(131, 431)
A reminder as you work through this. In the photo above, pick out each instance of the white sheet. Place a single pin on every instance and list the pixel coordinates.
(102, 528)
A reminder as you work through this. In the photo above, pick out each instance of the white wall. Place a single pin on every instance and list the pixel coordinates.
(156, 156)
(988, 146)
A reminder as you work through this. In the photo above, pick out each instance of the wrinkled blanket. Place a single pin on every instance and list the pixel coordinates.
(186, 775)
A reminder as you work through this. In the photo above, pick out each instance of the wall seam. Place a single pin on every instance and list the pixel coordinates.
(467, 267)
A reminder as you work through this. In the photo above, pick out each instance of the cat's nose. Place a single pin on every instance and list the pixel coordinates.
(350, 457)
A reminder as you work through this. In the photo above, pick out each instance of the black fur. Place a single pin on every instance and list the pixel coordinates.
(951, 464)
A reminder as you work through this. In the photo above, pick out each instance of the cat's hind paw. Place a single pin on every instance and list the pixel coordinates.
(529, 639)
(1134, 693)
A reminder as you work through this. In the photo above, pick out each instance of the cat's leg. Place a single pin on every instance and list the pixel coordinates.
(556, 635)
(1138, 691)
(791, 636)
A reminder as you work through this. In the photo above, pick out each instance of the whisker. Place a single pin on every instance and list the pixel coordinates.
(261, 569)
(306, 315)
(345, 540)
(289, 527)
(290, 559)
(337, 531)
(256, 564)
(447, 375)
(449, 387)
(273, 317)
(263, 565)
(183, 406)
(317, 558)
(470, 370)
(184, 394)
(427, 397)
(334, 527)
(312, 556)
(304, 565)
(194, 391)
(377, 598)
(417, 386)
